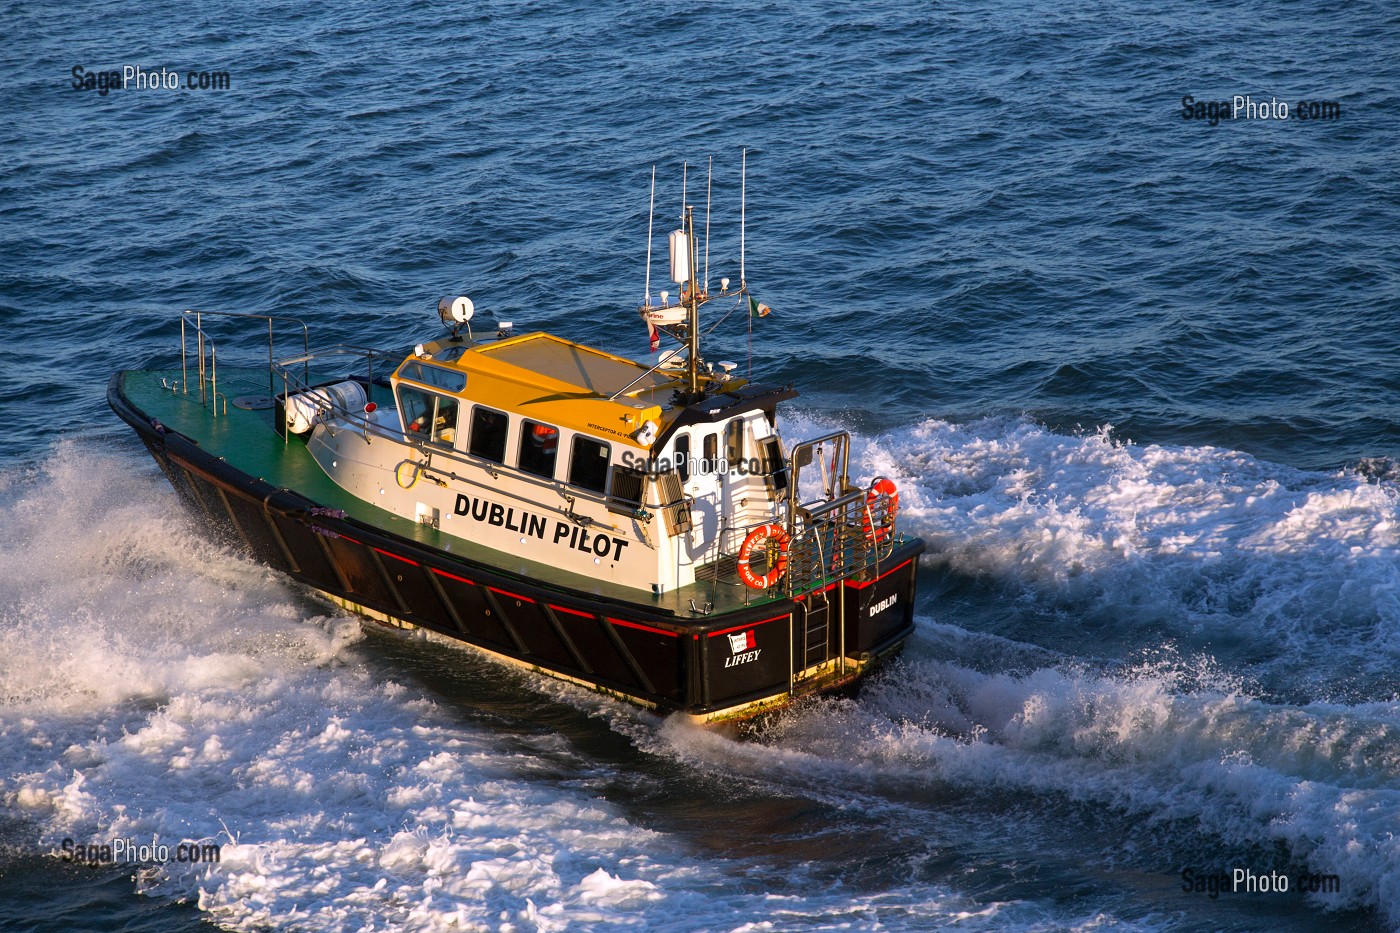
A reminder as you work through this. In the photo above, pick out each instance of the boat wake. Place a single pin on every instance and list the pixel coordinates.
(1193, 776)
(1288, 577)
(160, 691)
(1145, 660)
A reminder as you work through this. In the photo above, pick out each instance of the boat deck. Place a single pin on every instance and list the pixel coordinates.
(249, 440)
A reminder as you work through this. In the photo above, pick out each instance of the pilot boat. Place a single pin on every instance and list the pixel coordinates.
(640, 528)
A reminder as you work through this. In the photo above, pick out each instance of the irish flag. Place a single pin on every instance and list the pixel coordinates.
(757, 308)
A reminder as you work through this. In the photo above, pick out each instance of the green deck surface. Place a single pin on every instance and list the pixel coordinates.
(249, 441)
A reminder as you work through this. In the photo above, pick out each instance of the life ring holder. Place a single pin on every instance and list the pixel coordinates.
(398, 473)
(881, 488)
(762, 534)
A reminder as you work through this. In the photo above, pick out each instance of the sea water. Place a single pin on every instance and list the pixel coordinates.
(1133, 370)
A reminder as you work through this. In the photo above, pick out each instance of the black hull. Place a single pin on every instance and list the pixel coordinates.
(644, 654)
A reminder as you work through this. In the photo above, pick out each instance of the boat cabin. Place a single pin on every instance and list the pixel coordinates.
(592, 456)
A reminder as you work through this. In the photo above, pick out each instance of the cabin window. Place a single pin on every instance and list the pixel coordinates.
(450, 379)
(539, 447)
(488, 439)
(683, 456)
(711, 450)
(734, 443)
(428, 416)
(588, 463)
(774, 466)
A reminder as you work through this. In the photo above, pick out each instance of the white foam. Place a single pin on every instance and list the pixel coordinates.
(1198, 543)
(152, 686)
(1166, 740)
(1299, 569)
(159, 690)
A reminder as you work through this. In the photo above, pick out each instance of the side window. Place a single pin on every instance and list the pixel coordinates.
(416, 410)
(734, 442)
(683, 456)
(539, 446)
(445, 421)
(711, 450)
(588, 463)
(773, 463)
(488, 438)
(427, 416)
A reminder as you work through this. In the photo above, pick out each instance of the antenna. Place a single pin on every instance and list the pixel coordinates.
(743, 195)
(709, 179)
(651, 217)
(692, 305)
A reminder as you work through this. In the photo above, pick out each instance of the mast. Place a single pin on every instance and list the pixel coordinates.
(686, 271)
(709, 181)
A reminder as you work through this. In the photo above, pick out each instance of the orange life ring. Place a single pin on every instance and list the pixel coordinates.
(886, 489)
(779, 566)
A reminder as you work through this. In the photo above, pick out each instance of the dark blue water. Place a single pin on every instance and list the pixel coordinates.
(1135, 375)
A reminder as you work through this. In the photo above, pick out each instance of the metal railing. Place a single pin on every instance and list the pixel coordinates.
(838, 539)
(208, 356)
(292, 385)
(843, 532)
(833, 475)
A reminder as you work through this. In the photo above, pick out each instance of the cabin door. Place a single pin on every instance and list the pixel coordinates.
(697, 463)
(746, 495)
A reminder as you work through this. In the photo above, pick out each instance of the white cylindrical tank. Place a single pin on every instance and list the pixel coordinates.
(307, 409)
(680, 257)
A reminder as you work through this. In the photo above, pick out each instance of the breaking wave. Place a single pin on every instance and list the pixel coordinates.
(160, 690)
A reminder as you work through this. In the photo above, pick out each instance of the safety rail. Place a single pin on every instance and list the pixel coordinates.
(833, 539)
(839, 539)
(208, 356)
(844, 532)
(720, 566)
(292, 385)
(834, 475)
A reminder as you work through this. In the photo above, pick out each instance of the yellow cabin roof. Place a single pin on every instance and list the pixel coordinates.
(549, 379)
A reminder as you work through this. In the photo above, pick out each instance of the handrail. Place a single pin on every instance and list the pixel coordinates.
(665, 358)
(210, 371)
(292, 385)
(829, 539)
(833, 486)
(338, 349)
(813, 509)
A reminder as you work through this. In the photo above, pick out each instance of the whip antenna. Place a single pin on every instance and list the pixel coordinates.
(743, 194)
(651, 216)
(709, 179)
